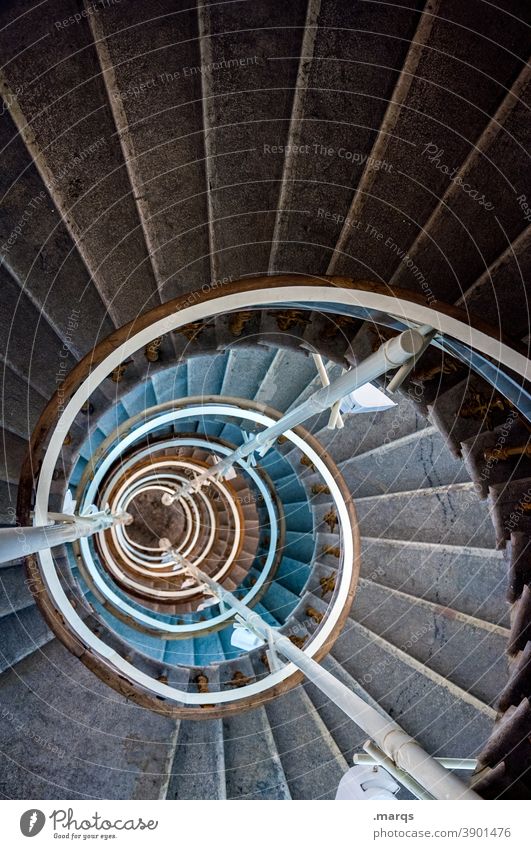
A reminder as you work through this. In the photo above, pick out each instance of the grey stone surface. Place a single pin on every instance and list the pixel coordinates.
(23, 633)
(367, 431)
(192, 180)
(288, 374)
(470, 580)
(8, 503)
(72, 737)
(253, 769)
(169, 385)
(451, 515)
(312, 762)
(413, 462)
(245, 370)
(42, 258)
(348, 736)
(14, 588)
(198, 767)
(20, 404)
(94, 193)
(205, 374)
(463, 650)
(11, 455)
(441, 719)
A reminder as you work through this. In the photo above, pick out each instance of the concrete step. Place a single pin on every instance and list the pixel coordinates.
(445, 719)
(206, 374)
(180, 652)
(289, 489)
(245, 371)
(276, 465)
(23, 633)
(278, 600)
(298, 517)
(470, 580)
(231, 434)
(459, 647)
(113, 418)
(333, 370)
(416, 461)
(12, 456)
(346, 733)
(15, 593)
(299, 546)
(292, 574)
(266, 614)
(69, 736)
(451, 515)
(365, 432)
(198, 766)
(170, 384)
(92, 443)
(208, 650)
(288, 374)
(252, 764)
(140, 398)
(312, 762)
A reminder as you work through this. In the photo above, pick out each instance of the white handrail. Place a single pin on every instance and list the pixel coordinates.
(21, 541)
(402, 749)
(390, 355)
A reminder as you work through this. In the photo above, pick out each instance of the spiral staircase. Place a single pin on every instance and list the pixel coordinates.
(181, 255)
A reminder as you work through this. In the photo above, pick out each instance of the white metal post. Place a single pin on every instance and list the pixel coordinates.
(20, 541)
(392, 354)
(335, 419)
(403, 750)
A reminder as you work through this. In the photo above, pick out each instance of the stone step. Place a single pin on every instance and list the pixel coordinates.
(70, 736)
(451, 515)
(289, 489)
(15, 593)
(245, 370)
(299, 546)
(459, 647)
(298, 517)
(266, 614)
(333, 370)
(445, 719)
(288, 374)
(470, 580)
(276, 466)
(252, 764)
(482, 455)
(365, 432)
(147, 644)
(278, 600)
(208, 650)
(292, 574)
(170, 384)
(206, 374)
(198, 766)
(311, 760)
(112, 418)
(91, 444)
(12, 456)
(140, 398)
(180, 652)
(23, 633)
(416, 461)
(466, 409)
